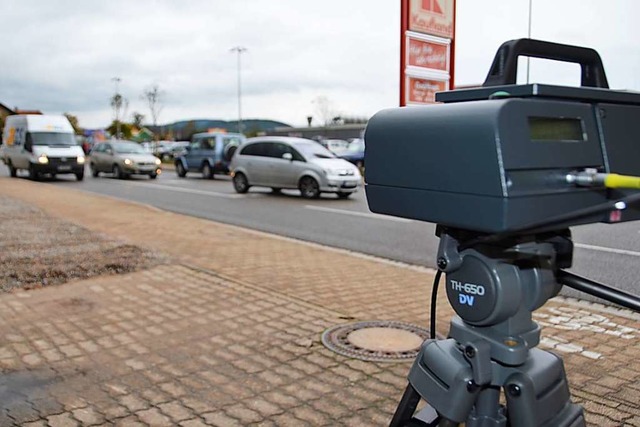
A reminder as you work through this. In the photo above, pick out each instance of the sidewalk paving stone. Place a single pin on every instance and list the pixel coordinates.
(228, 332)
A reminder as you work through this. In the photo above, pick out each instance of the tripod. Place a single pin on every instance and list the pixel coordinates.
(493, 287)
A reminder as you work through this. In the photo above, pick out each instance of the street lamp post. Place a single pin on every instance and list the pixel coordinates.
(117, 102)
(529, 36)
(239, 50)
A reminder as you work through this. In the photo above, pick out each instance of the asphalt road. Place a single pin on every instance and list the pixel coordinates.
(605, 253)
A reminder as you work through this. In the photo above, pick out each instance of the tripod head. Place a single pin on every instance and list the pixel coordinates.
(494, 287)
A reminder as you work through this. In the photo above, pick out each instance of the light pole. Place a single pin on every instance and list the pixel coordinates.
(239, 50)
(529, 36)
(117, 102)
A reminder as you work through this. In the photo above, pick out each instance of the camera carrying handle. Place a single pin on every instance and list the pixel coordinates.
(505, 64)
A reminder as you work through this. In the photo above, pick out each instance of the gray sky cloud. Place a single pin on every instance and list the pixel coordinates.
(60, 56)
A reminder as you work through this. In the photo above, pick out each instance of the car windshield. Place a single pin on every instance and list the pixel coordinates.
(313, 150)
(128, 148)
(52, 138)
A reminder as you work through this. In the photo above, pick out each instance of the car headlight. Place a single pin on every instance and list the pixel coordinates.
(341, 172)
(158, 161)
(332, 171)
(81, 160)
(127, 162)
(43, 159)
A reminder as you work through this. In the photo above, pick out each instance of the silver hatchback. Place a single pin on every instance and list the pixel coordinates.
(285, 162)
(122, 159)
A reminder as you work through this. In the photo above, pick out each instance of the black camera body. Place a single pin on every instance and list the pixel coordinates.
(496, 159)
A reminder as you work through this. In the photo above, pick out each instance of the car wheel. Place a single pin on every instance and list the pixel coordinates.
(343, 195)
(180, 170)
(153, 175)
(79, 176)
(33, 174)
(94, 171)
(117, 172)
(12, 171)
(240, 183)
(309, 188)
(207, 172)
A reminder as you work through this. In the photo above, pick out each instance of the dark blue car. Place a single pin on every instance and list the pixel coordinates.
(354, 153)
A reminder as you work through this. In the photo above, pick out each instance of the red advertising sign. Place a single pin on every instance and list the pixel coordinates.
(423, 91)
(427, 54)
(427, 49)
(435, 17)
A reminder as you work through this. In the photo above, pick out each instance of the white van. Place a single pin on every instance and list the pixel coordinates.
(41, 144)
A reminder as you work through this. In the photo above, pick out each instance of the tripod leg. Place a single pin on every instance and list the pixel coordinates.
(406, 407)
(404, 415)
(539, 394)
(487, 410)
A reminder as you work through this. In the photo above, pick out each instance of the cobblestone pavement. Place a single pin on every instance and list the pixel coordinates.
(228, 333)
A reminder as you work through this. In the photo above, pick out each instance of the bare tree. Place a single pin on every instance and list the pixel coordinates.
(138, 118)
(153, 95)
(120, 105)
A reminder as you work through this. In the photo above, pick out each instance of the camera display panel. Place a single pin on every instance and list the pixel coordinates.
(556, 129)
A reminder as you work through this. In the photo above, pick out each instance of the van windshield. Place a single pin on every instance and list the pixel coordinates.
(52, 138)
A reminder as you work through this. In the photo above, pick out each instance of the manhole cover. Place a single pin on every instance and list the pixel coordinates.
(376, 341)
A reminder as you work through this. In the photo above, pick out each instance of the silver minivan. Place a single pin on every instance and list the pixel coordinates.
(284, 162)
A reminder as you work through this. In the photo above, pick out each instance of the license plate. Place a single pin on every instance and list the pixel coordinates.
(64, 168)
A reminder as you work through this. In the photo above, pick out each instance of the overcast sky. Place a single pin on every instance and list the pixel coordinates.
(61, 55)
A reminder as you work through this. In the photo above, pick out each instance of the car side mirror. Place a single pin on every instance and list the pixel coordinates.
(28, 145)
(108, 151)
(288, 156)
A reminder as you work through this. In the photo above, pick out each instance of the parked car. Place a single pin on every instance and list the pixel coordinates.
(286, 162)
(177, 149)
(354, 153)
(122, 159)
(336, 146)
(208, 153)
(162, 149)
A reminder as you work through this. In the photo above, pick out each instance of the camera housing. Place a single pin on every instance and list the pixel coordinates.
(496, 159)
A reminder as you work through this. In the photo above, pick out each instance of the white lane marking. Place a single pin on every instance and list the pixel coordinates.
(185, 190)
(363, 214)
(610, 250)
